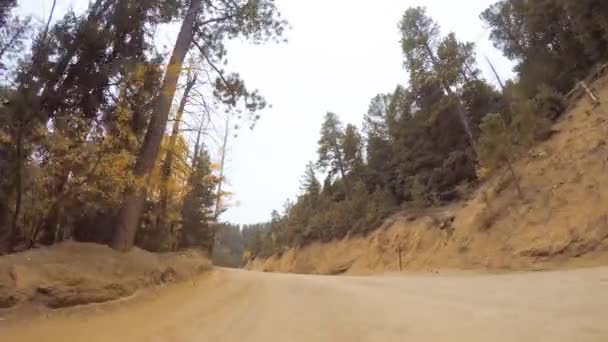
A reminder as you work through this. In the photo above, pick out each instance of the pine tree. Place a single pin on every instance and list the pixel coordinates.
(352, 146)
(197, 212)
(554, 42)
(457, 61)
(331, 154)
(420, 43)
(13, 34)
(310, 186)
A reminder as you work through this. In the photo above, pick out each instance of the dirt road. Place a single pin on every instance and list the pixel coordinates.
(230, 305)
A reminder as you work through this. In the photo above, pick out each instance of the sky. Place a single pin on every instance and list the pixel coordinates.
(339, 54)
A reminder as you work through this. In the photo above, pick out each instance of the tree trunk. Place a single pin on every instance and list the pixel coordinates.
(52, 219)
(168, 162)
(49, 229)
(218, 197)
(520, 193)
(400, 262)
(345, 181)
(197, 146)
(498, 79)
(5, 230)
(594, 99)
(464, 73)
(48, 22)
(18, 191)
(14, 38)
(462, 115)
(128, 217)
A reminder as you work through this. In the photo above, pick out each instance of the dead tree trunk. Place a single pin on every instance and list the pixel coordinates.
(462, 115)
(53, 218)
(342, 170)
(400, 263)
(516, 180)
(498, 79)
(197, 146)
(218, 196)
(12, 40)
(594, 99)
(48, 22)
(129, 215)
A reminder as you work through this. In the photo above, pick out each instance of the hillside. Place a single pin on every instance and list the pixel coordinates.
(561, 221)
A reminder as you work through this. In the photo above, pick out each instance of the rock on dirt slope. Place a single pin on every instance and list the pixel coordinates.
(562, 221)
(72, 274)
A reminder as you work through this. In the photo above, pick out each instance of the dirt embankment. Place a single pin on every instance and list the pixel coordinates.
(561, 221)
(72, 274)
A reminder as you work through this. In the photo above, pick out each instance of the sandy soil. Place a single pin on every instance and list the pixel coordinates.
(248, 306)
(71, 274)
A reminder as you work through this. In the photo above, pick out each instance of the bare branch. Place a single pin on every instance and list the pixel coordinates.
(48, 23)
(217, 70)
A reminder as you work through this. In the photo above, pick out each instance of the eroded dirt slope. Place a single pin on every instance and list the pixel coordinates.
(562, 221)
(71, 274)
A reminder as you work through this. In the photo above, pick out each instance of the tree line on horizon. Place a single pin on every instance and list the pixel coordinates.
(422, 144)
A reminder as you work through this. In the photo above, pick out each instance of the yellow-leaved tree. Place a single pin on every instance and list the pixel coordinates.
(156, 232)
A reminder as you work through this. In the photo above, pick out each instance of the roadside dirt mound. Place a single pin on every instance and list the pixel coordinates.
(561, 221)
(72, 274)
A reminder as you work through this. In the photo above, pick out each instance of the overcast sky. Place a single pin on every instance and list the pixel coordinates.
(340, 54)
